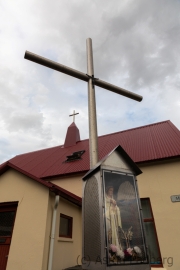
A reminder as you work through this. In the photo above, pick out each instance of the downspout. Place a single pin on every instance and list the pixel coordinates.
(53, 227)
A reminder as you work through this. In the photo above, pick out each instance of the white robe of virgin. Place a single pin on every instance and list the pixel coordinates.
(113, 221)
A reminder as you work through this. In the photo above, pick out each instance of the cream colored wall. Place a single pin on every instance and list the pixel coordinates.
(159, 182)
(66, 251)
(27, 245)
(72, 184)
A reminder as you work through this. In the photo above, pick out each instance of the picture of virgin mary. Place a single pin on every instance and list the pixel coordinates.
(122, 219)
(113, 223)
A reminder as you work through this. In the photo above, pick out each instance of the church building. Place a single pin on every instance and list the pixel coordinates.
(41, 198)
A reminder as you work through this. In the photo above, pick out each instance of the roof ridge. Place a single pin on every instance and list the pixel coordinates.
(153, 124)
(126, 130)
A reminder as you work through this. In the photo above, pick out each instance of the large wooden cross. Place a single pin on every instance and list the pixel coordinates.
(92, 81)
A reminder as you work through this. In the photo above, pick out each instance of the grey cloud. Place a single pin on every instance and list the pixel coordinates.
(24, 121)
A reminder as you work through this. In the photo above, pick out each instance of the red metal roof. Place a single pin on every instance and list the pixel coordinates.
(143, 144)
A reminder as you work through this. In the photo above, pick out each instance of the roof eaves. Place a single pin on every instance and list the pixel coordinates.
(150, 161)
(52, 187)
(8, 165)
(66, 194)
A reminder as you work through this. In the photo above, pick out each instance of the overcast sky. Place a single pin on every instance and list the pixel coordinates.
(135, 44)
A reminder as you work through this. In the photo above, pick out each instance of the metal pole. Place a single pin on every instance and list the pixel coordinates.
(79, 75)
(53, 228)
(93, 143)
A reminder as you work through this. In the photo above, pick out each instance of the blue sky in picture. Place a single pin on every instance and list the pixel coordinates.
(135, 44)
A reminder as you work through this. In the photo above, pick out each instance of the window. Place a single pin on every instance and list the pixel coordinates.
(151, 235)
(65, 228)
(6, 223)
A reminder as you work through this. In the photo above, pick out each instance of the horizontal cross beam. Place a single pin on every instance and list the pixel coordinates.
(80, 75)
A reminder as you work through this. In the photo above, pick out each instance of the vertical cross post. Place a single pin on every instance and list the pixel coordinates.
(93, 143)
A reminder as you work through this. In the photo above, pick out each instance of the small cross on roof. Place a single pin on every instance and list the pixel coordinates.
(73, 115)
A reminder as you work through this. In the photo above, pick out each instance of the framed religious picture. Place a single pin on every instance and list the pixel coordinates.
(123, 225)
